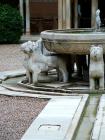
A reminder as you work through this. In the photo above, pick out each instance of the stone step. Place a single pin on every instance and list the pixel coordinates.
(58, 120)
(98, 132)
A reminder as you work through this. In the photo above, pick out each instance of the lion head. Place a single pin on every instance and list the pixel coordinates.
(96, 52)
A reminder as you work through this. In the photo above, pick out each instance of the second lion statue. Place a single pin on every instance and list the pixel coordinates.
(96, 69)
(36, 62)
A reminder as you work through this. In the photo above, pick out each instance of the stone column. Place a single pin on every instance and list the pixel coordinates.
(64, 14)
(68, 14)
(21, 7)
(76, 14)
(21, 11)
(60, 14)
(27, 17)
(94, 7)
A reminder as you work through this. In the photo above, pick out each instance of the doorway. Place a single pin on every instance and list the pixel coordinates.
(101, 4)
(43, 15)
(84, 13)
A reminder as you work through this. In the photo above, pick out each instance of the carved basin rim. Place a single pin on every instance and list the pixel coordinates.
(73, 41)
(80, 34)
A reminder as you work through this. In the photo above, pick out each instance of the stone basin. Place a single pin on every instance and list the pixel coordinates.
(72, 41)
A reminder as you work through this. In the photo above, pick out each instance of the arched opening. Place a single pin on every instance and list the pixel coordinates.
(43, 15)
(84, 13)
(101, 4)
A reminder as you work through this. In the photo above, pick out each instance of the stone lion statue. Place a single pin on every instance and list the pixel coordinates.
(98, 20)
(32, 69)
(36, 62)
(96, 69)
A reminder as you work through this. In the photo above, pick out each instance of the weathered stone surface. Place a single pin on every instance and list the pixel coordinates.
(72, 41)
(37, 62)
(96, 68)
(10, 74)
(58, 120)
(98, 132)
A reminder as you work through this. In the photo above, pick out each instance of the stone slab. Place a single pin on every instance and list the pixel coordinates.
(41, 92)
(10, 74)
(58, 120)
(54, 85)
(98, 132)
(78, 88)
(22, 93)
(44, 88)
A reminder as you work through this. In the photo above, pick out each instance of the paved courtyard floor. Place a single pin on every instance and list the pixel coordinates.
(16, 113)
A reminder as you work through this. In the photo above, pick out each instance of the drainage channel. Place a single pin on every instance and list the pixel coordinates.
(87, 120)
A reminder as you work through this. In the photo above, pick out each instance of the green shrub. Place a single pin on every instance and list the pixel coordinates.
(10, 24)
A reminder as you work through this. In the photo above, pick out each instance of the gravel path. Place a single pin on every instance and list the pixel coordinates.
(16, 113)
(11, 57)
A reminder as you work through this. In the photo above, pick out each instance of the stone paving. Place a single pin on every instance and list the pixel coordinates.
(16, 115)
(16, 112)
(58, 120)
(92, 116)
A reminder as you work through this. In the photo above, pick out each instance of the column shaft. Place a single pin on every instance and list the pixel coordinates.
(76, 14)
(94, 7)
(60, 14)
(68, 14)
(64, 14)
(27, 17)
(21, 7)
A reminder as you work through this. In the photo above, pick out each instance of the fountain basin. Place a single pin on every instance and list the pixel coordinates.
(72, 41)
